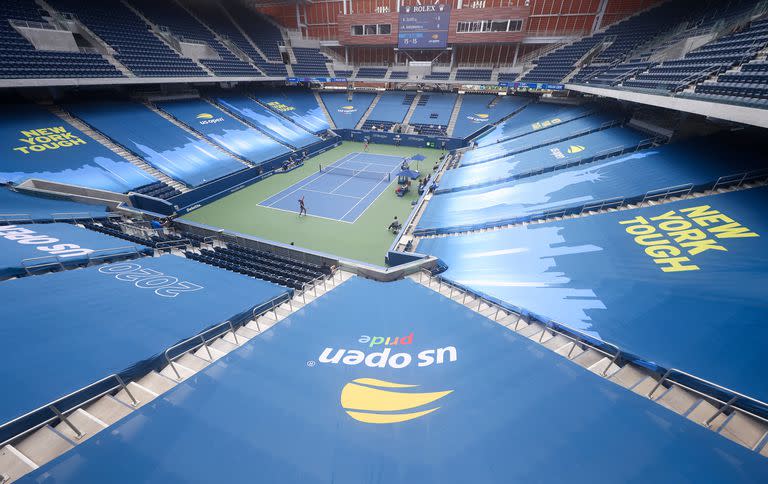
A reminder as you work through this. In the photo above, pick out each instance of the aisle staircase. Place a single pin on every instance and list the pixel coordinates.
(43, 443)
(412, 108)
(117, 149)
(454, 115)
(197, 135)
(368, 112)
(325, 109)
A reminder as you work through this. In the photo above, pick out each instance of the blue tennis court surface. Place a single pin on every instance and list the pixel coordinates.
(340, 196)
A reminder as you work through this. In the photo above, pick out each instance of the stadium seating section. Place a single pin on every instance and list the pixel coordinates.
(20, 60)
(136, 46)
(649, 174)
(39, 144)
(543, 137)
(574, 151)
(535, 117)
(26, 207)
(120, 326)
(346, 112)
(162, 144)
(310, 62)
(473, 74)
(592, 274)
(524, 397)
(372, 72)
(187, 29)
(391, 108)
(267, 121)
(433, 109)
(298, 105)
(224, 130)
(27, 248)
(480, 111)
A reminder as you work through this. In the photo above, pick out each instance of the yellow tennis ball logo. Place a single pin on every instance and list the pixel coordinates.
(381, 402)
(575, 149)
(204, 116)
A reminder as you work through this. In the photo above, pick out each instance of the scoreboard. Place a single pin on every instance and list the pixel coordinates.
(423, 27)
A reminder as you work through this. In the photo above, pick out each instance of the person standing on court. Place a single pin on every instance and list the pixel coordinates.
(365, 144)
(302, 207)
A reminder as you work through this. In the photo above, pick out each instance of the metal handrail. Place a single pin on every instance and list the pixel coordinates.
(586, 339)
(56, 261)
(553, 326)
(27, 216)
(727, 405)
(62, 414)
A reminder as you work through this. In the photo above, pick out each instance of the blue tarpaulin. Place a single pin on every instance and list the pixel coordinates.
(681, 284)
(49, 243)
(68, 329)
(354, 390)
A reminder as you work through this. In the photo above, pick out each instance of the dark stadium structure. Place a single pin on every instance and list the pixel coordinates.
(383, 241)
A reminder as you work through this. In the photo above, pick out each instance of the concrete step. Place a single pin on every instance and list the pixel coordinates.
(233, 338)
(628, 376)
(604, 367)
(588, 358)
(703, 411)
(742, 429)
(246, 332)
(531, 329)
(677, 399)
(87, 424)
(44, 445)
(203, 352)
(157, 383)
(177, 372)
(193, 362)
(223, 346)
(14, 464)
(108, 409)
(511, 320)
(142, 394)
(645, 386)
(557, 342)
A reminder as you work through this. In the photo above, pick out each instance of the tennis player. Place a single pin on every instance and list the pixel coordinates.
(302, 207)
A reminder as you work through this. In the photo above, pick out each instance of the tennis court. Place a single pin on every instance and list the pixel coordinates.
(341, 191)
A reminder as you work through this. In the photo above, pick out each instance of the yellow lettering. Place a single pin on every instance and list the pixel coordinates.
(700, 246)
(700, 211)
(675, 264)
(683, 235)
(640, 229)
(636, 220)
(673, 225)
(647, 239)
(731, 231)
(30, 134)
(662, 251)
(671, 215)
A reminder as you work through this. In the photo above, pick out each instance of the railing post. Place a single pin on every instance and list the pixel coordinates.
(170, 363)
(615, 357)
(721, 410)
(66, 421)
(234, 335)
(127, 391)
(659, 383)
(207, 349)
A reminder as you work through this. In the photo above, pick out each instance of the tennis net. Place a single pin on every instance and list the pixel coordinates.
(374, 175)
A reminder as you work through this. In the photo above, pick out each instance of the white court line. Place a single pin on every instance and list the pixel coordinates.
(347, 181)
(300, 186)
(308, 214)
(334, 194)
(377, 196)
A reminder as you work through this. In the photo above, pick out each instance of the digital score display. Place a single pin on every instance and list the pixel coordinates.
(424, 27)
